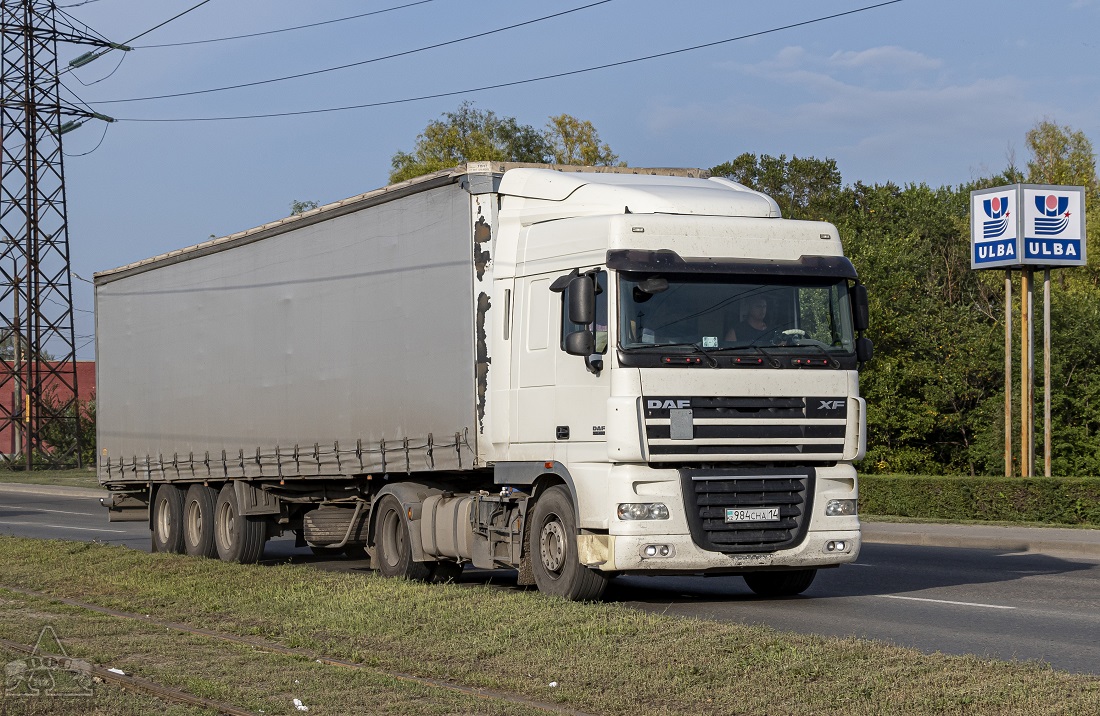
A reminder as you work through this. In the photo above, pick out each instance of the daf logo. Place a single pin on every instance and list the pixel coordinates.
(668, 404)
(831, 404)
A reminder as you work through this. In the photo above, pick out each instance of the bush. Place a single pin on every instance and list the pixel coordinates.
(1065, 501)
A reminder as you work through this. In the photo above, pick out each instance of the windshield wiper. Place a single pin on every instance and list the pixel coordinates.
(832, 361)
(750, 347)
(711, 360)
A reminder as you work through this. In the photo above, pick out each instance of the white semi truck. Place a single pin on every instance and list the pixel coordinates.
(573, 372)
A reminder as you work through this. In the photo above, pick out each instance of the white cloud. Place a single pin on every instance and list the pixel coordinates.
(909, 118)
(885, 58)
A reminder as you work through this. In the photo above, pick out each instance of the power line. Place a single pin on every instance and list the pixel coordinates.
(88, 57)
(285, 29)
(174, 17)
(516, 82)
(357, 64)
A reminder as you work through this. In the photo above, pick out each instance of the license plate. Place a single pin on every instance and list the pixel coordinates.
(752, 514)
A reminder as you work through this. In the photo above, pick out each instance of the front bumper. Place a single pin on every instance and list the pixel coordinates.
(622, 548)
(627, 553)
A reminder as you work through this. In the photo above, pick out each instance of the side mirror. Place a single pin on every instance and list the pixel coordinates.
(582, 301)
(865, 350)
(580, 343)
(861, 315)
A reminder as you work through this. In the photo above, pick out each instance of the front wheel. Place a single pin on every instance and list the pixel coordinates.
(780, 584)
(553, 550)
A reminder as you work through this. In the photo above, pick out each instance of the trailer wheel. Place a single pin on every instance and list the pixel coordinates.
(780, 584)
(238, 538)
(391, 540)
(198, 521)
(168, 519)
(553, 549)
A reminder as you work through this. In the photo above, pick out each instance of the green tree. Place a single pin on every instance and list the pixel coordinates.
(1060, 155)
(298, 208)
(470, 135)
(804, 187)
(575, 141)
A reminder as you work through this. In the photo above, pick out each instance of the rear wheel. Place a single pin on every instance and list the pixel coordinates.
(168, 519)
(198, 521)
(392, 543)
(780, 584)
(238, 538)
(553, 550)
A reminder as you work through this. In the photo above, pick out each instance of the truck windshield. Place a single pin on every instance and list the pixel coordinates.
(709, 312)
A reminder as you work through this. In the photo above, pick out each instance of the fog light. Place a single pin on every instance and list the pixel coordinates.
(836, 546)
(656, 550)
(642, 511)
(839, 546)
(840, 508)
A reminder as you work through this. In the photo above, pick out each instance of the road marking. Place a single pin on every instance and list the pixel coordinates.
(862, 564)
(945, 601)
(60, 527)
(43, 509)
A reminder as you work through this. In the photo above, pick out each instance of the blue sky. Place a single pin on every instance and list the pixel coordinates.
(933, 91)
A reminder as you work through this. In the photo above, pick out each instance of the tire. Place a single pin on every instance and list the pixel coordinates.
(445, 572)
(198, 521)
(238, 538)
(393, 553)
(168, 519)
(780, 584)
(553, 550)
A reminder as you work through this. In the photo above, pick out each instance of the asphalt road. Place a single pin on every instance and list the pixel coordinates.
(957, 601)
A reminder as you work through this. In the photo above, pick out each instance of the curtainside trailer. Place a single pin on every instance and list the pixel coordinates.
(573, 372)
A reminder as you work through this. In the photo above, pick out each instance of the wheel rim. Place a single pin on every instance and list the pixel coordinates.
(393, 538)
(164, 520)
(192, 526)
(226, 527)
(552, 545)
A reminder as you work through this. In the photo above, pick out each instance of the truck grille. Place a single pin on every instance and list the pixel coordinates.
(770, 429)
(709, 493)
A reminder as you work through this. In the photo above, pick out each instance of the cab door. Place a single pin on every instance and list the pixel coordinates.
(582, 386)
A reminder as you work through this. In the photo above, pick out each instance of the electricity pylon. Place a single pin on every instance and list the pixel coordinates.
(38, 378)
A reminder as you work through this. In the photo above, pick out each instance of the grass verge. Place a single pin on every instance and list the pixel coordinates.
(65, 478)
(605, 658)
(236, 674)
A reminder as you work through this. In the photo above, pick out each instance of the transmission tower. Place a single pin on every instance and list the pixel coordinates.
(38, 378)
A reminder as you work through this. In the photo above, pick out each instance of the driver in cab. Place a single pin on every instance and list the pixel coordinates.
(755, 324)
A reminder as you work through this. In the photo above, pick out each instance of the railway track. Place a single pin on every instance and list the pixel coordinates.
(131, 682)
(135, 683)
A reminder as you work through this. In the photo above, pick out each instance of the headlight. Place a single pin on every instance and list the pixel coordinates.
(840, 508)
(643, 511)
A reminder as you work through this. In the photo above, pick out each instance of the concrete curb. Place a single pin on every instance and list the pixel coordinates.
(1054, 541)
(55, 490)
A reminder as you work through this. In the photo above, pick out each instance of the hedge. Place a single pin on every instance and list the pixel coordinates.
(1066, 501)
